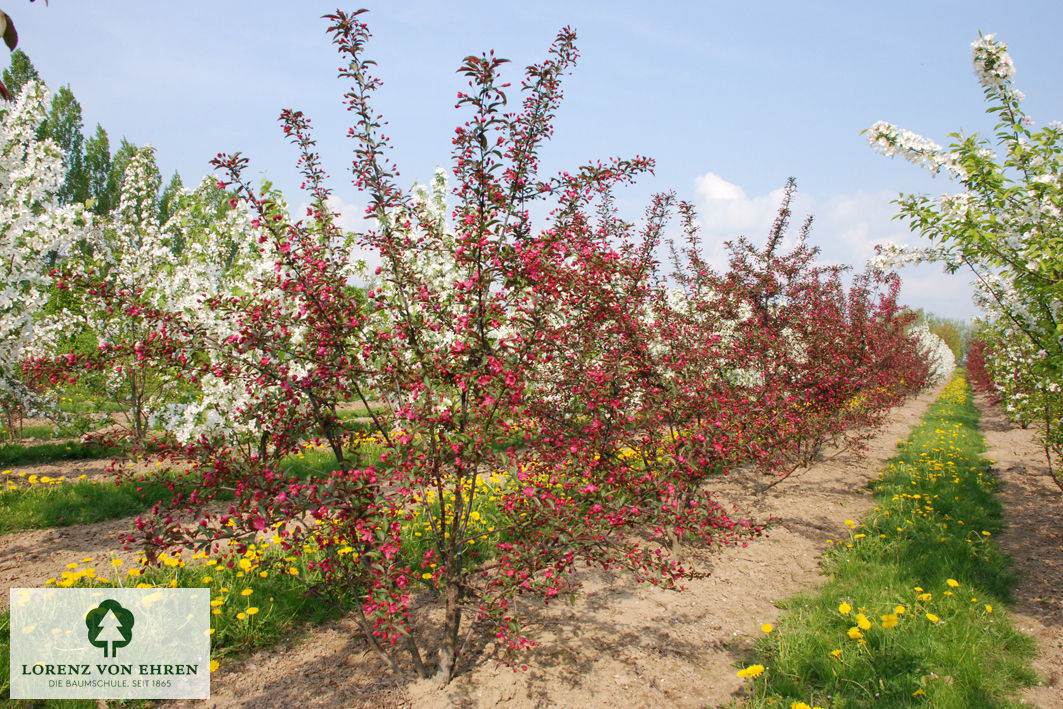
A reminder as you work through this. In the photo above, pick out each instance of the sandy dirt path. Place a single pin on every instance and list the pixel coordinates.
(29, 559)
(1033, 509)
(620, 644)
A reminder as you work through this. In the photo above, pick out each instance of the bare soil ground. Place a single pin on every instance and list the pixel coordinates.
(29, 559)
(630, 645)
(1033, 508)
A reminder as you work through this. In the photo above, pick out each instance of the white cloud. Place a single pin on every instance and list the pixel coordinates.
(350, 217)
(928, 287)
(711, 186)
(726, 211)
(846, 228)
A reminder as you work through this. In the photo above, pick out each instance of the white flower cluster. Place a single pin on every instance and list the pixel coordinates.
(955, 206)
(890, 256)
(992, 63)
(890, 140)
(938, 354)
(1002, 302)
(36, 235)
(796, 347)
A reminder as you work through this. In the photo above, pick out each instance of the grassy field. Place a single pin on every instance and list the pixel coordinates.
(12, 455)
(913, 611)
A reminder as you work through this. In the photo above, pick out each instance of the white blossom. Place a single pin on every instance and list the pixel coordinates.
(938, 354)
(36, 235)
(992, 63)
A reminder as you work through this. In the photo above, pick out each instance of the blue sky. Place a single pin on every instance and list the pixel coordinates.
(729, 98)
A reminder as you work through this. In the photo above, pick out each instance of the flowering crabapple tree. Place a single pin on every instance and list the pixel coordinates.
(464, 309)
(139, 263)
(976, 362)
(1014, 373)
(35, 236)
(545, 371)
(939, 355)
(132, 257)
(787, 350)
(214, 251)
(1005, 223)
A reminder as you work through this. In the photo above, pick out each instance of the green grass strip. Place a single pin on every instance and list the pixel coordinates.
(12, 455)
(31, 431)
(46, 506)
(42, 506)
(911, 615)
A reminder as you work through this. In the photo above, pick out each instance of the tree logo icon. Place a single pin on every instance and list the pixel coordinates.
(109, 624)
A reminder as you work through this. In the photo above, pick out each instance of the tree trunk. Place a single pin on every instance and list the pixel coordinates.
(448, 660)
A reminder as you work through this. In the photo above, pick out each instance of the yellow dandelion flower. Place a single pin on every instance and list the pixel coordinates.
(767, 628)
(932, 618)
(953, 582)
(862, 622)
(252, 610)
(751, 671)
(854, 633)
(988, 608)
(836, 653)
(889, 621)
(247, 592)
(213, 665)
(844, 608)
